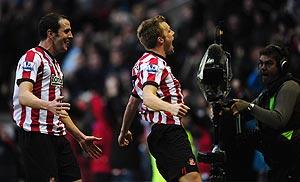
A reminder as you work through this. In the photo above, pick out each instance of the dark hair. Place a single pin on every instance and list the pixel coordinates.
(274, 51)
(149, 30)
(280, 54)
(49, 21)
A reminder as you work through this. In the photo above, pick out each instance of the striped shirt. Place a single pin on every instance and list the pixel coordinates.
(152, 69)
(40, 68)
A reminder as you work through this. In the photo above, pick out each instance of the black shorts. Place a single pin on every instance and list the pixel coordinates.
(172, 150)
(46, 157)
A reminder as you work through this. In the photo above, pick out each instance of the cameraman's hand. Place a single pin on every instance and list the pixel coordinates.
(239, 106)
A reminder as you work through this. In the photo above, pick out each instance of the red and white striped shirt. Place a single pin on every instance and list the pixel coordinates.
(40, 68)
(152, 69)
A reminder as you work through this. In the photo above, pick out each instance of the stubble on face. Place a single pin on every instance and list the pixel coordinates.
(63, 37)
(168, 38)
(268, 72)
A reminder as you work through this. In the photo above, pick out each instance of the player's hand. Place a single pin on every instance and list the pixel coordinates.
(124, 138)
(239, 106)
(88, 146)
(179, 110)
(62, 114)
(57, 107)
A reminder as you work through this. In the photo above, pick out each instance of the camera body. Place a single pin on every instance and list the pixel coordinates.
(214, 73)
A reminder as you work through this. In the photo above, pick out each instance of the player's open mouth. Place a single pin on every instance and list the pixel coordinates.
(67, 42)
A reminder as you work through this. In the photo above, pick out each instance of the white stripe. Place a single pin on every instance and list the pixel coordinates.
(28, 120)
(173, 91)
(148, 117)
(156, 117)
(37, 60)
(55, 124)
(160, 71)
(164, 117)
(143, 117)
(44, 96)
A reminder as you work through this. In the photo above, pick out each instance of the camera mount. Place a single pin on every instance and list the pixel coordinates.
(216, 157)
(214, 76)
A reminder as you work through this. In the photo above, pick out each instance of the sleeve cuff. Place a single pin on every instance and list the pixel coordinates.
(135, 95)
(19, 81)
(150, 83)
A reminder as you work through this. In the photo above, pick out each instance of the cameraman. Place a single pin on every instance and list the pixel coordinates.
(277, 111)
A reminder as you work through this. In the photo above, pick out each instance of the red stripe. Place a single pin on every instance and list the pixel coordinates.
(151, 116)
(159, 118)
(50, 115)
(170, 119)
(153, 61)
(163, 86)
(140, 80)
(151, 77)
(139, 84)
(37, 89)
(164, 75)
(166, 93)
(144, 56)
(134, 91)
(29, 58)
(178, 90)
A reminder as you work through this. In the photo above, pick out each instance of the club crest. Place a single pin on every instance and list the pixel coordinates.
(56, 81)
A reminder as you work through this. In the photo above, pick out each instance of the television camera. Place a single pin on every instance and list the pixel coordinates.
(214, 76)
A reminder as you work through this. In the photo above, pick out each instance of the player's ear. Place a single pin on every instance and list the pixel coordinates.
(50, 34)
(160, 40)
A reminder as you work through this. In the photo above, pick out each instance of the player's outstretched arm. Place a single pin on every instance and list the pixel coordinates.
(86, 142)
(125, 135)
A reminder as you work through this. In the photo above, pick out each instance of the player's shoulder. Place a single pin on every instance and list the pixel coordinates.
(30, 57)
(149, 57)
(31, 53)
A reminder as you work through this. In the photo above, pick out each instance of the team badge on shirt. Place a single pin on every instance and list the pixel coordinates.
(27, 66)
(56, 81)
(152, 68)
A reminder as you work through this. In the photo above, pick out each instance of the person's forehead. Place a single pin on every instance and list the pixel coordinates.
(64, 23)
(266, 58)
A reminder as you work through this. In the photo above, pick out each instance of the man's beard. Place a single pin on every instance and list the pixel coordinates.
(269, 80)
(168, 50)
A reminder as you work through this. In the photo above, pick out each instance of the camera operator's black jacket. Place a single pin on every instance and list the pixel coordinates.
(279, 126)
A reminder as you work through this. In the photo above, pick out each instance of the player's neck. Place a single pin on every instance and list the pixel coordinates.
(159, 50)
(46, 44)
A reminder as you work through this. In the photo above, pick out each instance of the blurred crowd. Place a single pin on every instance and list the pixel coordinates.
(97, 70)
